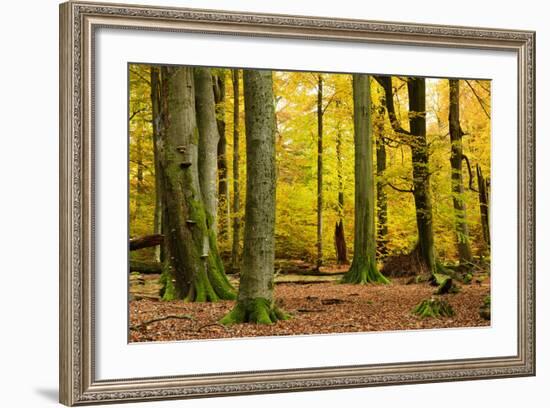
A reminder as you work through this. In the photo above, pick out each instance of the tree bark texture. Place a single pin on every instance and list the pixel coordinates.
(235, 245)
(483, 189)
(218, 81)
(421, 172)
(156, 118)
(194, 270)
(319, 170)
(457, 183)
(255, 300)
(363, 267)
(339, 233)
(381, 195)
(208, 144)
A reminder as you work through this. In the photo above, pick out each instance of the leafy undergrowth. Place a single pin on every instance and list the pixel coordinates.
(316, 308)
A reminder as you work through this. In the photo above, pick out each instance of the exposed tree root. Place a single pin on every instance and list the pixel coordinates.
(363, 272)
(433, 308)
(259, 310)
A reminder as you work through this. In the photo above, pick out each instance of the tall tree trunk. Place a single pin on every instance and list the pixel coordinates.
(255, 301)
(156, 118)
(363, 267)
(208, 144)
(457, 183)
(319, 170)
(483, 189)
(194, 269)
(339, 233)
(236, 189)
(139, 176)
(421, 174)
(218, 81)
(381, 196)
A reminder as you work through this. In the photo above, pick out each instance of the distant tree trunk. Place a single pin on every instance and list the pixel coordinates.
(156, 118)
(363, 267)
(381, 195)
(339, 234)
(319, 261)
(139, 176)
(421, 174)
(236, 189)
(483, 189)
(457, 183)
(208, 144)
(223, 188)
(194, 270)
(255, 301)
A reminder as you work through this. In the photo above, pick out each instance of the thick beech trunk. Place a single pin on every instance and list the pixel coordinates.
(194, 270)
(363, 267)
(208, 144)
(421, 173)
(457, 183)
(235, 246)
(319, 261)
(255, 300)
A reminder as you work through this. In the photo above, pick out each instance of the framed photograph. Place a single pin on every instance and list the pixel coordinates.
(255, 203)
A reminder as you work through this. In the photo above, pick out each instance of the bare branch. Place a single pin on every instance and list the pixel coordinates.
(138, 74)
(135, 113)
(481, 103)
(470, 174)
(401, 190)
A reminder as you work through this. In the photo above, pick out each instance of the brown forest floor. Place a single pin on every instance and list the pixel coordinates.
(316, 308)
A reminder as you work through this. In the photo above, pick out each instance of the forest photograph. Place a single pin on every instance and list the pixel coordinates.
(281, 203)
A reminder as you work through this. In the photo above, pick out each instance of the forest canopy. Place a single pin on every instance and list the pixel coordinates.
(295, 100)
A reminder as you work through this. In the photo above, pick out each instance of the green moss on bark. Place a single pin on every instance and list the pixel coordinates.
(364, 271)
(169, 291)
(433, 308)
(259, 311)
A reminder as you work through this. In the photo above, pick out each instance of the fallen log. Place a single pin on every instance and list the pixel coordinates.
(145, 267)
(146, 241)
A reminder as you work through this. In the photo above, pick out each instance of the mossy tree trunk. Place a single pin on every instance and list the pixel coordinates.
(363, 267)
(457, 183)
(193, 269)
(235, 245)
(421, 172)
(255, 301)
(208, 144)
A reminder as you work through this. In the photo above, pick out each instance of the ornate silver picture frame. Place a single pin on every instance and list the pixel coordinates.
(78, 24)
